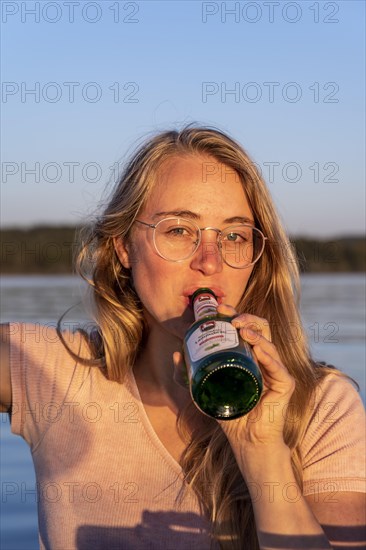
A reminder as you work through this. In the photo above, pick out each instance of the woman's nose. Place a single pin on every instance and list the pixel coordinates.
(207, 257)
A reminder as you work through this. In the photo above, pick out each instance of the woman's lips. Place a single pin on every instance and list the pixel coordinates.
(219, 293)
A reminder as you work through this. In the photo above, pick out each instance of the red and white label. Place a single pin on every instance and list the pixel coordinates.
(210, 337)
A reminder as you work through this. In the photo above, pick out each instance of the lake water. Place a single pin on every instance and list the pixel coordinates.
(333, 312)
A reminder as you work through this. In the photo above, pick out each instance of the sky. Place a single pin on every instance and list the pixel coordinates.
(84, 82)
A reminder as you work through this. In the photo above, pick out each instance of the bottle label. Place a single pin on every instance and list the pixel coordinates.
(204, 305)
(210, 337)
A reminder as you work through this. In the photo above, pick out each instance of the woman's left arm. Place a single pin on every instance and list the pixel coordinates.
(284, 517)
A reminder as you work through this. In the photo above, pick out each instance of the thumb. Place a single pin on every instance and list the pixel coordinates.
(180, 375)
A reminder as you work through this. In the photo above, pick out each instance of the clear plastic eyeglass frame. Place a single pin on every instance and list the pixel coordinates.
(221, 233)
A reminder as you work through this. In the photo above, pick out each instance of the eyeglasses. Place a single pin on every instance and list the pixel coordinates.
(177, 239)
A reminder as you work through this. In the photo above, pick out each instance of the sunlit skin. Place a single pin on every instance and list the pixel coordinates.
(212, 200)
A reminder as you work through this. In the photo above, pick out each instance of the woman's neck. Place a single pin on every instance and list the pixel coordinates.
(154, 368)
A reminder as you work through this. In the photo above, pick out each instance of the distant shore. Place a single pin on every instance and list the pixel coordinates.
(51, 250)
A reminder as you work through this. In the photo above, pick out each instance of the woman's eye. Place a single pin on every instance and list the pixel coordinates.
(240, 236)
(179, 232)
(235, 237)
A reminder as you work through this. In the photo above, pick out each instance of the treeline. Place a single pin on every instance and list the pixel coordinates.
(51, 250)
(39, 250)
(342, 255)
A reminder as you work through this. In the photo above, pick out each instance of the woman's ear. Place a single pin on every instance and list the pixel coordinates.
(122, 251)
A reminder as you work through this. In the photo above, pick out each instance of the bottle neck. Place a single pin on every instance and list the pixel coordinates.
(204, 305)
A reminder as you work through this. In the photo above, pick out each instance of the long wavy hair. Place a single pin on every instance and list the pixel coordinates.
(272, 293)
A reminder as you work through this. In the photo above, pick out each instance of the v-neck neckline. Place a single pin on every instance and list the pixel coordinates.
(153, 436)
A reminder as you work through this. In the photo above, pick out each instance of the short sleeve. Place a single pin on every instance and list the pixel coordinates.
(333, 446)
(43, 376)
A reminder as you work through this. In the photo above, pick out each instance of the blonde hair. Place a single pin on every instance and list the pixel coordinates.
(272, 293)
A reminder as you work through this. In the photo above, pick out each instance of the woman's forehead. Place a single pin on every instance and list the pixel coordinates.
(198, 183)
(203, 168)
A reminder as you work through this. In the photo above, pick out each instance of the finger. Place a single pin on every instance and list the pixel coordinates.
(180, 375)
(257, 324)
(225, 309)
(274, 370)
(260, 345)
(253, 337)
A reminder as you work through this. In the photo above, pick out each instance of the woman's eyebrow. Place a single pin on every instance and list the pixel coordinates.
(193, 216)
(178, 214)
(239, 219)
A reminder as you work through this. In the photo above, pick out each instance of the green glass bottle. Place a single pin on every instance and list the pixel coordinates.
(225, 380)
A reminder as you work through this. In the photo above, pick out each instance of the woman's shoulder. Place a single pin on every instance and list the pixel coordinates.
(50, 338)
(336, 409)
(333, 444)
(337, 388)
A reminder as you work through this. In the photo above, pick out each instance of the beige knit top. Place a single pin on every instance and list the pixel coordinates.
(104, 478)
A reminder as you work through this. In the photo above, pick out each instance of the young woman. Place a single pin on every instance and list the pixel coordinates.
(123, 458)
